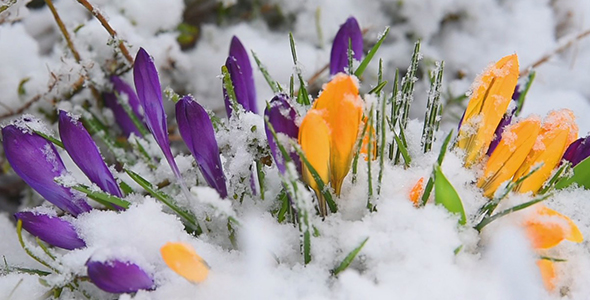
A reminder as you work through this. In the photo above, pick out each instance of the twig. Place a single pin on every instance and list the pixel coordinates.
(559, 49)
(108, 27)
(63, 30)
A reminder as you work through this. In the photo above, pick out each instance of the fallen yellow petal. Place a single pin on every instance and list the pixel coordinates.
(558, 131)
(492, 93)
(183, 260)
(548, 273)
(516, 143)
(547, 228)
(314, 138)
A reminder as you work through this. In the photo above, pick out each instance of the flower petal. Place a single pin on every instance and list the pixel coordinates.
(515, 144)
(240, 70)
(183, 260)
(121, 117)
(282, 116)
(84, 152)
(506, 120)
(115, 276)
(491, 97)
(559, 130)
(349, 32)
(577, 151)
(314, 138)
(149, 93)
(547, 228)
(342, 110)
(417, 191)
(197, 132)
(548, 273)
(51, 229)
(37, 162)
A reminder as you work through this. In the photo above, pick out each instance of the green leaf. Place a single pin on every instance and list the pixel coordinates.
(446, 195)
(361, 69)
(581, 176)
(523, 94)
(102, 198)
(349, 258)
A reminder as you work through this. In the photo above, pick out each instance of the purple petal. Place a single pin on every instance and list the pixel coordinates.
(149, 92)
(197, 132)
(506, 120)
(349, 31)
(37, 162)
(116, 276)
(84, 152)
(50, 229)
(282, 116)
(121, 117)
(240, 70)
(578, 151)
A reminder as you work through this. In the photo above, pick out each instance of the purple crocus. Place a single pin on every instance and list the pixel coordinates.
(51, 229)
(37, 162)
(240, 71)
(197, 132)
(149, 92)
(578, 151)
(84, 152)
(121, 117)
(506, 120)
(282, 116)
(349, 31)
(116, 276)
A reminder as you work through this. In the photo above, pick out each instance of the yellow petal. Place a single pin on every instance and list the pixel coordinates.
(314, 138)
(492, 93)
(342, 110)
(547, 228)
(183, 260)
(417, 191)
(548, 273)
(516, 143)
(558, 131)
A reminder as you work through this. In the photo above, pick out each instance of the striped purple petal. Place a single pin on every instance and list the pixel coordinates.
(85, 154)
(240, 70)
(282, 116)
(349, 31)
(37, 162)
(149, 93)
(197, 132)
(51, 229)
(506, 120)
(115, 276)
(121, 117)
(578, 151)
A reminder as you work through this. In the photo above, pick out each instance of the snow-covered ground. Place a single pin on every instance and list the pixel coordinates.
(410, 252)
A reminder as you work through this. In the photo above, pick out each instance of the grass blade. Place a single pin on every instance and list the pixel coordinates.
(349, 258)
(361, 68)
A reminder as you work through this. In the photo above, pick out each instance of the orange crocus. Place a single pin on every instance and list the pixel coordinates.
(490, 99)
(183, 260)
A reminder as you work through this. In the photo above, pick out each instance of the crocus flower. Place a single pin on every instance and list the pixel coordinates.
(506, 120)
(183, 260)
(53, 230)
(342, 110)
(558, 131)
(242, 77)
(116, 276)
(314, 138)
(514, 146)
(121, 117)
(577, 151)
(197, 132)
(488, 103)
(149, 93)
(349, 32)
(84, 152)
(37, 162)
(282, 116)
(546, 228)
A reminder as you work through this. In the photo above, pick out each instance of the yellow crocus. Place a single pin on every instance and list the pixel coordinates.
(183, 260)
(491, 96)
(342, 109)
(314, 138)
(517, 141)
(558, 131)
